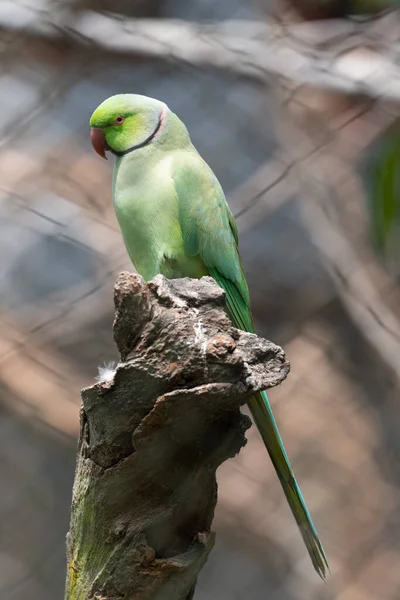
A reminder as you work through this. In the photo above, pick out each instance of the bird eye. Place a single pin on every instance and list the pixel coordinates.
(119, 120)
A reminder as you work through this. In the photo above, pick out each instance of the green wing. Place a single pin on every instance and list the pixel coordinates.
(209, 230)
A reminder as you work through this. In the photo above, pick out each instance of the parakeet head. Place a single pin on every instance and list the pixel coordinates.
(126, 122)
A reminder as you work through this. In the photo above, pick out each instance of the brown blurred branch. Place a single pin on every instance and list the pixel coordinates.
(324, 159)
(354, 58)
(45, 377)
(355, 288)
(153, 435)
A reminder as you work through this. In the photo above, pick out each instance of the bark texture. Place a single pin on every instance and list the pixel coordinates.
(152, 437)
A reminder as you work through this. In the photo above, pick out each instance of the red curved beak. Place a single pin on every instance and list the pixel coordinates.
(98, 141)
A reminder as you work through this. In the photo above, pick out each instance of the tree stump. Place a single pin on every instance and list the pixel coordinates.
(153, 435)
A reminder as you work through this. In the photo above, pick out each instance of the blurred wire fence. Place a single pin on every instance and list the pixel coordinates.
(288, 114)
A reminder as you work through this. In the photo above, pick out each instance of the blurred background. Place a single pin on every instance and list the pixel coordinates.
(297, 109)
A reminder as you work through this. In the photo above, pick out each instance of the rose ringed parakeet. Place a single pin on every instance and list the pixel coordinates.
(175, 220)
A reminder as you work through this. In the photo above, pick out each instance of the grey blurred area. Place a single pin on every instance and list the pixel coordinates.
(288, 148)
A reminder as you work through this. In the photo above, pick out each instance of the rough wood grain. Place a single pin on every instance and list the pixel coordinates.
(152, 438)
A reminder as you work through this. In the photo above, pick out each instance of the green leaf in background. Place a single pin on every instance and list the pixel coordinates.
(370, 7)
(382, 180)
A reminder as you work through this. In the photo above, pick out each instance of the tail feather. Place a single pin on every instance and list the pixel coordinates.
(239, 310)
(263, 416)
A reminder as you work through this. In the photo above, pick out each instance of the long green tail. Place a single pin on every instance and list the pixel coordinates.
(238, 305)
(263, 416)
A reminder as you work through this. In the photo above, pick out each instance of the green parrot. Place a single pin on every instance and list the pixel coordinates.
(175, 220)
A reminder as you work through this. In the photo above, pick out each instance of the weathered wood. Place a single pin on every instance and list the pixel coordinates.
(152, 437)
